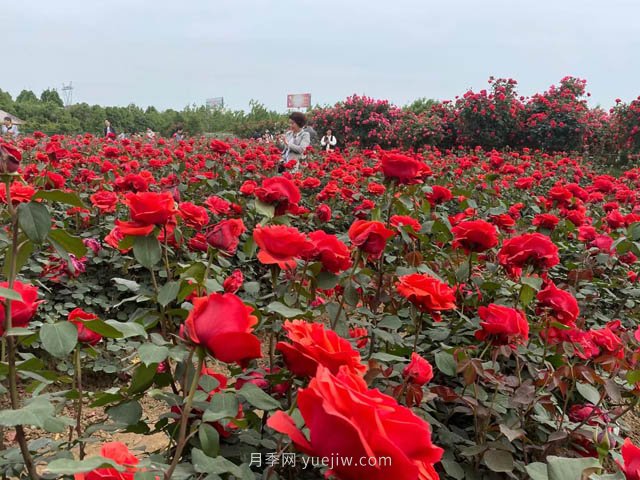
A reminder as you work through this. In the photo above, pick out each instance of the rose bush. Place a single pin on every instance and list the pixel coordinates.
(469, 314)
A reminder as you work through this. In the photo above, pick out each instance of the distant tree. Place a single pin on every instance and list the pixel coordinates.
(6, 102)
(26, 96)
(51, 96)
(422, 105)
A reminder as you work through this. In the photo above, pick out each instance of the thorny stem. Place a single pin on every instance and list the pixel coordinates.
(78, 366)
(184, 419)
(11, 340)
(334, 322)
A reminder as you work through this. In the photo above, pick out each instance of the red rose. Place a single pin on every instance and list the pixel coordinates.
(312, 345)
(225, 235)
(419, 371)
(502, 325)
(323, 213)
(331, 252)
(120, 454)
(281, 245)
(631, 460)
(248, 187)
(78, 317)
(370, 237)
(10, 158)
(133, 229)
(546, 220)
(428, 294)
(347, 420)
(219, 146)
(20, 193)
(105, 201)
(532, 249)
(439, 195)
(21, 312)
(399, 221)
(194, 216)
(223, 324)
(361, 335)
(198, 243)
(217, 205)
(280, 192)
(150, 208)
(400, 168)
(475, 236)
(563, 305)
(233, 282)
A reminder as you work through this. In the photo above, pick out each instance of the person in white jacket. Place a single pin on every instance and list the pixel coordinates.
(328, 141)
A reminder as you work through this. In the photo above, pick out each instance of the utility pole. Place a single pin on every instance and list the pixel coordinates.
(67, 93)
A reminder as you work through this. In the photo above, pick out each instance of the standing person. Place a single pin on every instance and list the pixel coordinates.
(179, 133)
(109, 131)
(151, 135)
(8, 128)
(328, 141)
(313, 135)
(295, 140)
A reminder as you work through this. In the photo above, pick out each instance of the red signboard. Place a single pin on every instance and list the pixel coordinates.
(299, 100)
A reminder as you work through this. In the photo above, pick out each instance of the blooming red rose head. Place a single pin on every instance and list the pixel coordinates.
(475, 235)
(370, 236)
(502, 325)
(428, 294)
(346, 419)
(281, 245)
(312, 345)
(223, 324)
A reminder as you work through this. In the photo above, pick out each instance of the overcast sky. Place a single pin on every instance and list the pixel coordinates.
(173, 53)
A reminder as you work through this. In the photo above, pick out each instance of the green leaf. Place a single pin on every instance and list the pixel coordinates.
(282, 309)
(222, 405)
(69, 198)
(150, 353)
(129, 284)
(446, 363)
(209, 440)
(69, 466)
(527, 294)
(533, 282)
(561, 468)
(34, 220)
(59, 339)
(633, 376)
(142, 378)
(128, 413)
(265, 209)
(103, 329)
(216, 466)
(24, 253)
(351, 295)
(537, 471)
(327, 280)
(128, 329)
(589, 392)
(38, 413)
(10, 294)
(147, 251)
(168, 293)
(453, 468)
(258, 398)
(634, 231)
(499, 460)
(67, 241)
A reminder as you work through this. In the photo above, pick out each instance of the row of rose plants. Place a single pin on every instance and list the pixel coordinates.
(467, 315)
(556, 120)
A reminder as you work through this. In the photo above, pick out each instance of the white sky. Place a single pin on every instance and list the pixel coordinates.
(173, 53)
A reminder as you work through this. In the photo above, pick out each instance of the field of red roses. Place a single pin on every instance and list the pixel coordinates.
(374, 315)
